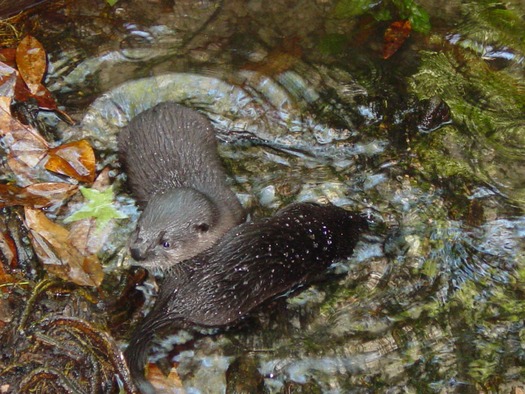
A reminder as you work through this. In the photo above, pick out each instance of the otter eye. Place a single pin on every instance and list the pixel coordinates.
(202, 227)
(166, 244)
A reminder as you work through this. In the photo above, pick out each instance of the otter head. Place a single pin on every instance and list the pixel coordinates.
(175, 225)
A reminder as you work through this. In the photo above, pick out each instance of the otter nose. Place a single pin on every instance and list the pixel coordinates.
(137, 254)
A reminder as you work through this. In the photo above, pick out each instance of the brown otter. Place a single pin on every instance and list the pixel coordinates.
(170, 156)
(252, 263)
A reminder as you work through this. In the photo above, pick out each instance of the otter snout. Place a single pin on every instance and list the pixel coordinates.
(137, 253)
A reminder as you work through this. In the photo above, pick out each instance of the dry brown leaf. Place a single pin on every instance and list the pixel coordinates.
(40, 93)
(74, 159)
(8, 56)
(44, 98)
(395, 36)
(87, 238)
(26, 148)
(5, 104)
(53, 191)
(8, 77)
(5, 115)
(170, 384)
(11, 195)
(26, 175)
(9, 253)
(91, 268)
(31, 62)
(59, 257)
(23, 142)
(22, 92)
(37, 195)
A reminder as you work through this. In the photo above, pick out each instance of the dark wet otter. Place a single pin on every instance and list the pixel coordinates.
(170, 157)
(252, 263)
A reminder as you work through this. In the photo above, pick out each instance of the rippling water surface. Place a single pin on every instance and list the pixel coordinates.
(306, 108)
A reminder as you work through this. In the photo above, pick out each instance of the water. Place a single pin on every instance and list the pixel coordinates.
(307, 109)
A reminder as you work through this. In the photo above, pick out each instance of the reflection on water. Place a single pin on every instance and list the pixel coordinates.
(306, 109)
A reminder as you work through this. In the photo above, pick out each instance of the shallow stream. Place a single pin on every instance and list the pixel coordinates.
(307, 109)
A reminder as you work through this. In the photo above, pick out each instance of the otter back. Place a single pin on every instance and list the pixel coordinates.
(170, 146)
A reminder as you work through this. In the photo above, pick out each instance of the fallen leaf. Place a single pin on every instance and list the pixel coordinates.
(170, 384)
(22, 92)
(40, 93)
(38, 195)
(26, 149)
(5, 104)
(27, 175)
(5, 114)
(25, 143)
(9, 253)
(44, 98)
(419, 18)
(89, 238)
(74, 159)
(58, 256)
(99, 206)
(8, 56)
(352, 8)
(8, 77)
(84, 234)
(395, 36)
(52, 191)
(31, 62)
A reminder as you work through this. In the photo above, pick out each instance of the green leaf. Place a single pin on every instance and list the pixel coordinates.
(382, 14)
(99, 206)
(350, 8)
(111, 2)
(419, 19)
(409, 9)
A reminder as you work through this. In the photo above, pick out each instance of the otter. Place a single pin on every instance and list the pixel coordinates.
(170, 156)
(252, 263)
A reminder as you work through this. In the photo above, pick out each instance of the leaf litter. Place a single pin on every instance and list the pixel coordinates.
(40, 184)
(43, 176)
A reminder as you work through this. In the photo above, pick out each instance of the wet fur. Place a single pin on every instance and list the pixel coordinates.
(170, 157)
(252, 263)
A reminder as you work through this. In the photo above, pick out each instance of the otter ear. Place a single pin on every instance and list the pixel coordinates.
(201, 227)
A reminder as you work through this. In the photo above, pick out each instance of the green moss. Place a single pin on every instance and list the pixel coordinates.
(430, 268)
(485, 142)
